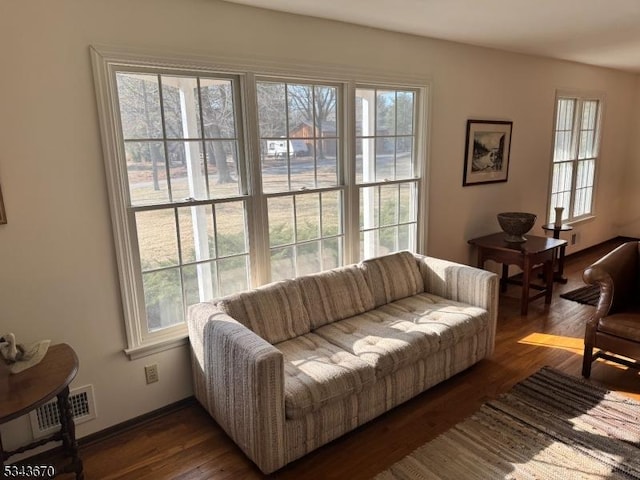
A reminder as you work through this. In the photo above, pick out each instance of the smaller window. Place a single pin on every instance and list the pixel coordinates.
(386, 170)
(575, 155)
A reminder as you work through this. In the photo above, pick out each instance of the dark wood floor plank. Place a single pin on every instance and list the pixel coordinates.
(188, 445)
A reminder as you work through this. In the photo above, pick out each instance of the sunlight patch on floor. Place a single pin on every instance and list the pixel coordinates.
(570, 344)
(550, 461)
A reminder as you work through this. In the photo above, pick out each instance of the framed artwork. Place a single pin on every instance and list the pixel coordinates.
(3, 214)
(487, 148)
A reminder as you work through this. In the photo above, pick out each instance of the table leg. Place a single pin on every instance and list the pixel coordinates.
(526, 280)
(548, 271)
(2, 457)
(68, 431)
(504, 278)
(560, 276)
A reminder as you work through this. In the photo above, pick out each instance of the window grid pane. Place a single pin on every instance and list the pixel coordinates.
(561, 188)
(197, 248)
(562, 173)
(586, 173)
(587, 145)
(140, 110)
(157, 239)
(163, 298)
(147, 172)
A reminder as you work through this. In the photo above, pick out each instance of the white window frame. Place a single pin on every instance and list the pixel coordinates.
(373, 227)
(580, 98)
(107, 61)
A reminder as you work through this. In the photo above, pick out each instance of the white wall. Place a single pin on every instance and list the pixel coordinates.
(629, 201)
(59, 277)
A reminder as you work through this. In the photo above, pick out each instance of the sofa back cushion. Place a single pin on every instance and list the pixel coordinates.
(335, 294)
(275, 312)
(392, 277)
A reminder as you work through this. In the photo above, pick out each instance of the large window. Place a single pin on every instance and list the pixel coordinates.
(221, 182)
(575, 155)
(186, 194)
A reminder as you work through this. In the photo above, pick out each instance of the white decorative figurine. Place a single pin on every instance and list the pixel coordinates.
(17, 356)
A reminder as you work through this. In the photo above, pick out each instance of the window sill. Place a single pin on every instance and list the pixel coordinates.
(151, 348)
(581, 220)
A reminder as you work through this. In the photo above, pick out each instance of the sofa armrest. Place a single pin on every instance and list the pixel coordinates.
(617, 275)
(244, 377)
(462, 283)
(459, 282)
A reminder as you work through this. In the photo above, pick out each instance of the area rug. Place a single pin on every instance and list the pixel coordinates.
(548, 426)
(588, 295)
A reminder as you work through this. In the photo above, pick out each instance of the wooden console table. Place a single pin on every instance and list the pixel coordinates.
(526, 255)
(31, 388)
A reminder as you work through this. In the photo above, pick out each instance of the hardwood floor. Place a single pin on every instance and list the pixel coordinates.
(187, 444)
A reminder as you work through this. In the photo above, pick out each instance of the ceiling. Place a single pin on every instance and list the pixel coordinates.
(596, 32)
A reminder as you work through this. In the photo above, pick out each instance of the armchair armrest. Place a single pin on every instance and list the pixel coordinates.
(462, 283)
(244, 382)
(617, 275)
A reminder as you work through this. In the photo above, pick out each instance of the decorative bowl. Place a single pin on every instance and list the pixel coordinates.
(516, 224)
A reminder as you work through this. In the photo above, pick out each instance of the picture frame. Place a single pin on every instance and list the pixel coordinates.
(3, 214)
(487, 151)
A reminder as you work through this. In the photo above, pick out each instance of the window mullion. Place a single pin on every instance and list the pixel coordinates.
(321, 227)
(164, 137)
(286, 134)
(180, 261)
(395, 139)
(314, 115)
(202, 135)
(257, 212)
(352, 191)
(295, 232)
(420, 151)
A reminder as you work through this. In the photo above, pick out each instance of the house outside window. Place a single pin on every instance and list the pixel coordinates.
(224, 179)
(575, 156)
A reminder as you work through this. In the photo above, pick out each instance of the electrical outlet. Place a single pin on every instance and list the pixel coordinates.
(151, 373)
(574, 238)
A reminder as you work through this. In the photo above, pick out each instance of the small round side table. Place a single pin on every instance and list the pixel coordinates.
(31, 388)
(556, 229)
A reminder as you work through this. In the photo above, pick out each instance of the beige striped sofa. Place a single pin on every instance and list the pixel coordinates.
(290, 366)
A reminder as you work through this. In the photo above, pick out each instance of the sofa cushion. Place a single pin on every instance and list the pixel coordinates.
(335, 294)
(398, 334)
(392, 277)
(275, 311)
(317, 372)
(451, 321)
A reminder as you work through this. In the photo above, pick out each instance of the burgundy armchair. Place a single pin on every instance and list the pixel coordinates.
(614, 329)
